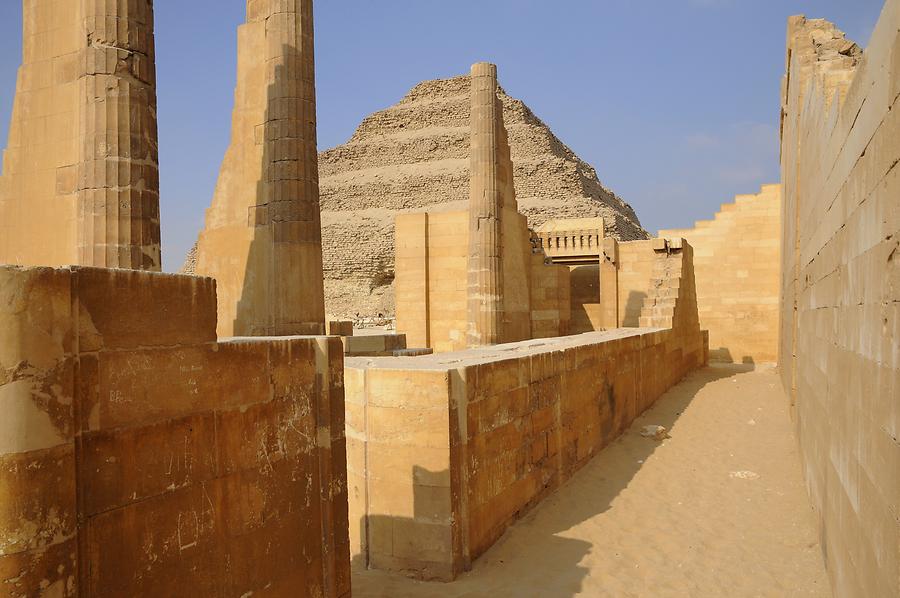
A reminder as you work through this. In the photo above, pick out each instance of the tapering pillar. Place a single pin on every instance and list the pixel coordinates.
(485, 275)
(290, 185)
(117, 189)
(263, 237)
(80, 173)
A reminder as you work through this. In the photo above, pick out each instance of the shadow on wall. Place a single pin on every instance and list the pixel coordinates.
(723, 355)
(533, 548)
(632, 309)
(251, 315)
(425, 511)
(585, 298)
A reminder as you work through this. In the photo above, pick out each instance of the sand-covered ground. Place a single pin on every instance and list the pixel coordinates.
(719, 509)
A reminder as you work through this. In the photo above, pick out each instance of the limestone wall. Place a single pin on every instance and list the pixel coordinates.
(672, 297)
(551, 304)
(138, 456)
(79, 181)
(635, 273)
(840, 344)
(737, 257)
(518, 268)
(446, 451)
(585, 302)
(431, 279)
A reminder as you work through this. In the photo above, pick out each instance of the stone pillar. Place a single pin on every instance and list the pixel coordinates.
(289, 201)
(411, 285)
(80, 175)
(485, 275)
(263, 238)
(118, 176)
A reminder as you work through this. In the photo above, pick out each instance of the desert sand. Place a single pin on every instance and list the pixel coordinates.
(717, 509)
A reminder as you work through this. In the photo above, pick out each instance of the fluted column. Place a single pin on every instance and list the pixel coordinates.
(117, 214)
(288, 202)
(485, 275)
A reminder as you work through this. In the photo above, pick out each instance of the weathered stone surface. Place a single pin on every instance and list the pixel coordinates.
(340, 328)
(262, 241)
(839, 352)
(138, 456)
(374, 345)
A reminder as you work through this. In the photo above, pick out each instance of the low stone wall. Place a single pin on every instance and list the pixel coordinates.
(138, 456)
(446, 451)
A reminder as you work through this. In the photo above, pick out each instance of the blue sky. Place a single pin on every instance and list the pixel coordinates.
(675, 102)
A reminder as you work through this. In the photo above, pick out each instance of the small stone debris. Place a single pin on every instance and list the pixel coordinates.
(655, 432)
(744, 475)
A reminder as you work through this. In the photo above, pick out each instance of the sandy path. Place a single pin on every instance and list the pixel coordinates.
(664, 519)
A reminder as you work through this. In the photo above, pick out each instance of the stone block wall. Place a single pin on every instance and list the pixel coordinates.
(551, 305)
(431, 279)
(840, 311)
(446, 451)
(634, 273)
(586, 303)
(138, 456)
(650, 277)
(672, 295)
(737, 258)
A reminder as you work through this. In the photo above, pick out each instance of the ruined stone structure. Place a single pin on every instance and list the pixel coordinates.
(737, 260)
(262, 241)
(474, 278)
(414, 156)
(578, 244)
(840, 314)
(572, 241)
(80, 175)
(142, 455)
(446, 451)
(139, 456)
